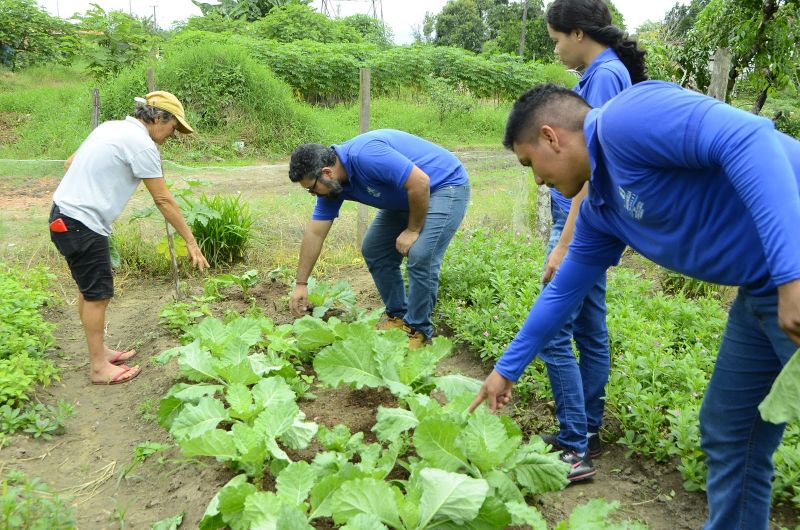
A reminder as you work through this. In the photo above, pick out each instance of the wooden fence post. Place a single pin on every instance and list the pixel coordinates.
(720, 68)
(364, 75)
(543, 212)
(95, 108)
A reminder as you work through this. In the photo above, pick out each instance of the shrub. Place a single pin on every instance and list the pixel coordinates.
(24, 334)
(223, 237)
(224, 91)
(29, 503)
(450, 101)
(29, 35)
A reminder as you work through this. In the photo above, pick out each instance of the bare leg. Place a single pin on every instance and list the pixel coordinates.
(110, 354)
(93, 316)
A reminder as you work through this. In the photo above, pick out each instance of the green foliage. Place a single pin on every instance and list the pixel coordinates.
(460, 24)
(323, 297)
(222, 90)
(782, 404)
(24, 334)
(367, 357)
(450, 101)
(760, 36)
(181, 316)
(29, 35)
(246, 281)
(29, 503)
(294, 21)
(224, 236)
(37, 419)
(215, 22)
(240, 9)
(662, 347)
(676, 283)
(370, 28)
(116, 40)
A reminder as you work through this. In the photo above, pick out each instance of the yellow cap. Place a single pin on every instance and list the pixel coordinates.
(166, 101)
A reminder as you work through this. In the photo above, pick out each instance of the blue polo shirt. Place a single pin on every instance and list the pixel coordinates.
(691, 183)
(605, 78)
(378, 164)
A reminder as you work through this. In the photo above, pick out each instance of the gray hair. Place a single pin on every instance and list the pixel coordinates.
(149, 114)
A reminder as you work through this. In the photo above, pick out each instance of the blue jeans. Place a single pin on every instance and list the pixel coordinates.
(738, 444)
(445, 212)
(578, 386)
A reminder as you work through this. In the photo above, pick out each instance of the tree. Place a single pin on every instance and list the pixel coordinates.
(249, 10)
(460, 24)
(505, 27)
(761, 35)
(296, 21)
(117, 39)
(371, 29)
(29, 35)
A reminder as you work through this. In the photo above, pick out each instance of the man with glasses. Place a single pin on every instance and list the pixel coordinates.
(421, 191)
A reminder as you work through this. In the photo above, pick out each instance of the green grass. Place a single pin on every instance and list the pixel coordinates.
(52, 106)
(48, 112)
(482, 126)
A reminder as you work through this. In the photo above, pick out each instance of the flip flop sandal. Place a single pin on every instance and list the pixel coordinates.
(117, 360)
(116, 380)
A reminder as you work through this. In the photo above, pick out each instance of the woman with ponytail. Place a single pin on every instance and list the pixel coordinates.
(585, 40)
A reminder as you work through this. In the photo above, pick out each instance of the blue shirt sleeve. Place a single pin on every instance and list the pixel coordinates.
(592, 246)
(552, 308)
(326, 209)
(749, 150)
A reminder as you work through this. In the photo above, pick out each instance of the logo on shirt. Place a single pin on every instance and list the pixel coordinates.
(632, 203)
(372, 191)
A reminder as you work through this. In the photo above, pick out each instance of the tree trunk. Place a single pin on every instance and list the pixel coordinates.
(720, 67)
(524, 27)
(760, 100)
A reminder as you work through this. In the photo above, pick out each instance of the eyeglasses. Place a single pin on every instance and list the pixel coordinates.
(310, 189)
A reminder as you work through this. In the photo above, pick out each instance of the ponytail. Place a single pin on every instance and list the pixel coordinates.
(594, 18)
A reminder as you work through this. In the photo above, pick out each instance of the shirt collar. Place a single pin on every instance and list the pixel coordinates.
(131, 119)
(605, 56)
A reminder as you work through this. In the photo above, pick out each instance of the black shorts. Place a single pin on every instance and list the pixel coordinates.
(88, 256)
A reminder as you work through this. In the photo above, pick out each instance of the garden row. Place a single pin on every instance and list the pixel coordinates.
(432, 464)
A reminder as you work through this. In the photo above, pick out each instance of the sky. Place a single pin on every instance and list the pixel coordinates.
(401, 15)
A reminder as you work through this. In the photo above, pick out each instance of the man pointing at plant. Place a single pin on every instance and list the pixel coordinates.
(421, 191)
(698, 187)
(101, 177)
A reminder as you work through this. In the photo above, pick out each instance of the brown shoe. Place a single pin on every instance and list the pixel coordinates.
(415, 338)
(389, 322)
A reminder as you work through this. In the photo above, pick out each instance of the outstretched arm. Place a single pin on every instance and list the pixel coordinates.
(166, 204)
(310, 249)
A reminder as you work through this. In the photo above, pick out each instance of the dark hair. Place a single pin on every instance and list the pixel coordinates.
(594, 18)
(149, 114)
(546, 103)
(308, 160)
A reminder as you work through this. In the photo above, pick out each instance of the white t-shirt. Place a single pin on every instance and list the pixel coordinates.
(105, 172)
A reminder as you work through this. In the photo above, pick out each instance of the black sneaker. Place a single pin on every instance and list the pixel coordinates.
(582, 466)
(552, 440)
(595, 445)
